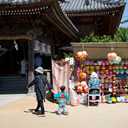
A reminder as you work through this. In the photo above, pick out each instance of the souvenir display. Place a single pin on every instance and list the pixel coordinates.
(113, 75)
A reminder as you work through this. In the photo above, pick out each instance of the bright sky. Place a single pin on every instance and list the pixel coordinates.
(125, 15)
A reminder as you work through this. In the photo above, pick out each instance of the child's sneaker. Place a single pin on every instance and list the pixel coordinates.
(58, 113)
(65, 113)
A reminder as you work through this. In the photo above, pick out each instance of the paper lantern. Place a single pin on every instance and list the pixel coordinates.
(43, 47)
(83, 84)
(49, 49)
(36, 45)
(83, 75)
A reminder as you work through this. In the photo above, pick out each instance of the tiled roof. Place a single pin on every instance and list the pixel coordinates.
(13, 2)
(89, 5)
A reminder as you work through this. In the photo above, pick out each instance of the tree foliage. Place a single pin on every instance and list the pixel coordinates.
(125, 21)
(120, 36)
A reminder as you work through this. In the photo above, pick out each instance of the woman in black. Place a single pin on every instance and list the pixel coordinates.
(40, 83)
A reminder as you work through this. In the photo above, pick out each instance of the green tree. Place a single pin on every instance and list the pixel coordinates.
(121, 35)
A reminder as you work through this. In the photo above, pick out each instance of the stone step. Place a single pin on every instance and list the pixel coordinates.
(13, 85)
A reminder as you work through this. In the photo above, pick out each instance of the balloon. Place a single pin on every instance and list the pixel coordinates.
(85, 89)
(109, 56)
(83, 75)
(84, 53)
(110, 61)
(77, 83)
(79, 89)
(113, 55)
(71, 69)
(83, 84)
(78, 70)
(79, 54)
(81, 57)
(113, 81)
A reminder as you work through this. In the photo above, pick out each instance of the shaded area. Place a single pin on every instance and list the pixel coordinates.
(13, 85)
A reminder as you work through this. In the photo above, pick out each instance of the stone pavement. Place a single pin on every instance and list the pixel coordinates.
(17, 114)
(9, 98)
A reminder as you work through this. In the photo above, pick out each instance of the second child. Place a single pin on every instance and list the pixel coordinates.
(63, 96)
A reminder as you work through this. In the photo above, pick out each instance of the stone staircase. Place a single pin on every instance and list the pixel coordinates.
(13, 85)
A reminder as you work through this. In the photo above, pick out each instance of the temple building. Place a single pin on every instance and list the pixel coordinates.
(28, 27)
(99, 16)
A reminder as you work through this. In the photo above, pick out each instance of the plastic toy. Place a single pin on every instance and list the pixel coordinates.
(108, 100)
(113, 99)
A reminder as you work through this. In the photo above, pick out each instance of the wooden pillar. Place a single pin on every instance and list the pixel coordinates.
(30, 64)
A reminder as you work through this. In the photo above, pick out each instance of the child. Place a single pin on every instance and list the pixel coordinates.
(63, 96)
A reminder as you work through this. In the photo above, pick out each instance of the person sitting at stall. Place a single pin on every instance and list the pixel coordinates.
(94, 83)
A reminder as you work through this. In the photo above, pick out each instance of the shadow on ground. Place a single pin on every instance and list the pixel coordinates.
(39, 112)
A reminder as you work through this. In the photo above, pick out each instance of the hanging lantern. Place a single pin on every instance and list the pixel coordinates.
(36, 45)
(49, 49)
(43, 48)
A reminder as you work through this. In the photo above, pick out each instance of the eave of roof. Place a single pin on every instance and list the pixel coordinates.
(74, 6)
(36, 8)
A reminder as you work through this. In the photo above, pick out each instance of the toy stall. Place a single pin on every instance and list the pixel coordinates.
(110, 62)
